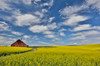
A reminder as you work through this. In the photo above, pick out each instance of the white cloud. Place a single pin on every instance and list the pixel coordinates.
(86, 27)
(38, 28)
(48, 32)
(94, 3)
(35, 37)
(51, 19)
(45, 43)
(44, 10)
(93, 32)
(17, 33)
(45, 29)
(96, 27)
(37, 0)
(13, 14)
(6, 41)
(26, 19)
(57, 40)
(50, 36)
(16, 12)
(4, 34)
(45, 4)
(4, 26)
(87, 37)
(85, 34)
(52, 26)
(27, 2)
(69, 10)
(4, 5)
(49, 4)
(62, 34)
(75, 19)
(82, 27)
(39, 14)
(75, 43)
(61, 30)
(42, 28)
(70, 14)
(78, 37)
(91, 2)
(26, 36)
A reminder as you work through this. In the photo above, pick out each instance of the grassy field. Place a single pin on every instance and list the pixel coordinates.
(85, 55)
(12, 50)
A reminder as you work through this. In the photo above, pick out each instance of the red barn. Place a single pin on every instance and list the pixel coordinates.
(19, 43)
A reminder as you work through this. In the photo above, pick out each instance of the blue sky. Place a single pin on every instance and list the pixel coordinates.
(50, 22)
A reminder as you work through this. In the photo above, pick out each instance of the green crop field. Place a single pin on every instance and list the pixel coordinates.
(85, 55)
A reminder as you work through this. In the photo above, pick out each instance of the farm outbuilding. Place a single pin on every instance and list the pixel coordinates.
(19, 43)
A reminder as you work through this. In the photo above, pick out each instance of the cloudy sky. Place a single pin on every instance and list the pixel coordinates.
(50, 22)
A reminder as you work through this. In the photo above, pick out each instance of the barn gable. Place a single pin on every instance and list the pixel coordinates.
(19, 43)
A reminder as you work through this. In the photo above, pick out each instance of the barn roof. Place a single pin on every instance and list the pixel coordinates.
(19, 43)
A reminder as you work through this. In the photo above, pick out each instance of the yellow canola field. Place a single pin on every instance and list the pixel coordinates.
(86, 55)
(12, 50)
